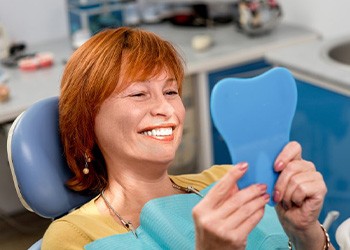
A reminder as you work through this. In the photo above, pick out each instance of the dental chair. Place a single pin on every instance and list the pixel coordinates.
(37, 163)
(253, 115)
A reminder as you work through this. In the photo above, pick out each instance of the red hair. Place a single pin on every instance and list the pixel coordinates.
(109, 61)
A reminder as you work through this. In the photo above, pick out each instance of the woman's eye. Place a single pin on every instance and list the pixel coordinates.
(137, 95)
(171, 92)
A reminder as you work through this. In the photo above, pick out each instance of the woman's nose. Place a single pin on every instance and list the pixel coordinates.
(162, 107)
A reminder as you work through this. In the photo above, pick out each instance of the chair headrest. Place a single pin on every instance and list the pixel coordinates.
(37, 162)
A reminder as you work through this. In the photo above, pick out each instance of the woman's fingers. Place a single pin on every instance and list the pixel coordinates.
(248, 216)
(238, 225)
(297, 182)
(225, 186)
(291, 170)
(296, 187)
(233, 217)
(238, 200)
(292, 151)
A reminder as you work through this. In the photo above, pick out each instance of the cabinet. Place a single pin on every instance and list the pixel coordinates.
(322, 126)
(92, 16)
(220, 151)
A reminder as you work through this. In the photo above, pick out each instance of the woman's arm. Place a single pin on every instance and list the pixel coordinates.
(299, 192)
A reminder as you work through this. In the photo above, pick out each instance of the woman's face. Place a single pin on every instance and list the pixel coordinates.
(141, 124)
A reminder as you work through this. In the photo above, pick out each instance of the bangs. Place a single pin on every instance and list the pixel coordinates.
(147, 59)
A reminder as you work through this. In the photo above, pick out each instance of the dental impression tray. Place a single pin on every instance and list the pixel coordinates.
(254, 117)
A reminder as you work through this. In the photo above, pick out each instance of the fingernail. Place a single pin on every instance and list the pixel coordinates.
(279, 166)
(266, 197)
(276, 196)
(262, 187)
(242, 166)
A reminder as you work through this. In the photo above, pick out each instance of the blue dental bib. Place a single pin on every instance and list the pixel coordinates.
(167, 223)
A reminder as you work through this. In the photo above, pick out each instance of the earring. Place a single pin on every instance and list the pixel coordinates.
(87, 161)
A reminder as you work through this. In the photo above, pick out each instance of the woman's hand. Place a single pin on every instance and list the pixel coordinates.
(299, 192)
(226, 215)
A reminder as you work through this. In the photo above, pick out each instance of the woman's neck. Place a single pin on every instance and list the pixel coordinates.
(128, 191)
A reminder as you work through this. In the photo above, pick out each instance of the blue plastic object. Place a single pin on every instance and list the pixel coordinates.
(167, 223)
(254, 117)
(38, 164)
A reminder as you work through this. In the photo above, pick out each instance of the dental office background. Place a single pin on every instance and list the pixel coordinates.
(38, 21)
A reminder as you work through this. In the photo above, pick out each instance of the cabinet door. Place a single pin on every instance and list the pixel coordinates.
(220, 151)
(322, 126)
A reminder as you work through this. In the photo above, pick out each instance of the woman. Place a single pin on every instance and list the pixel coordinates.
(121, 122)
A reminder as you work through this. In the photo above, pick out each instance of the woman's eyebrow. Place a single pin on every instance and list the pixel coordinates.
(171, 80)
(167, 80)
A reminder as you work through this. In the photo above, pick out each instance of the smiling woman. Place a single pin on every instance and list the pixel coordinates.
(113, 60)
(121, 119)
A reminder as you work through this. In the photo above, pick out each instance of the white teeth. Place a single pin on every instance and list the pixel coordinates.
(159, 132)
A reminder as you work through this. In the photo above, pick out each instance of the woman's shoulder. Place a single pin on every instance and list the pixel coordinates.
(203, 179)
(78, 228)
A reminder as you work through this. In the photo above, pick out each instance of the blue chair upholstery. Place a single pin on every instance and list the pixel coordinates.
(38, 165)
(254, 117)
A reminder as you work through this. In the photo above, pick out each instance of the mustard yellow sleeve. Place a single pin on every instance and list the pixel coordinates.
(203, 179)
(64, 235)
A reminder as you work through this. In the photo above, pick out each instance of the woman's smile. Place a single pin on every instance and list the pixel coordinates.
(164, 133)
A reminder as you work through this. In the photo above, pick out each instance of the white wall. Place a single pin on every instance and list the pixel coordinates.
(330, 18)
(34, 21)
(41, 20)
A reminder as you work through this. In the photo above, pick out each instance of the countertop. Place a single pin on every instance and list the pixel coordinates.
(309, 62)
(229, 49)
(27, 87)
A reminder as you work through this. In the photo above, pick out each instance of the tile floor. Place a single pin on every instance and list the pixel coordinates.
(20, 231)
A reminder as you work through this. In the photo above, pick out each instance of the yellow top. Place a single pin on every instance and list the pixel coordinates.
(86, 224)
